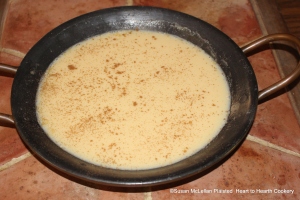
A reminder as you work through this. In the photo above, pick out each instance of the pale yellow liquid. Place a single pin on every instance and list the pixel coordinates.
(133, 100)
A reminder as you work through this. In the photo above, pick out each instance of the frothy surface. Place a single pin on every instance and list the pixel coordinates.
(133, 100)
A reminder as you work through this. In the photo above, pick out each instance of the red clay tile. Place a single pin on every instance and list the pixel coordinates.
(275, 119)
(272, 123)
(32, 180)
(6, 84)
(9, 59)
(11, 145)
(238, 21)
(235, 18)
(252, 167)
(27, 22)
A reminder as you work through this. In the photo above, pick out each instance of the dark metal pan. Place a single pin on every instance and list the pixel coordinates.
(231, 58)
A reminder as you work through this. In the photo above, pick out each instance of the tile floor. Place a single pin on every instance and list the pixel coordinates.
(267, 161)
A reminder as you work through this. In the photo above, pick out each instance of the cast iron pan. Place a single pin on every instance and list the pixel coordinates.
(238, 71)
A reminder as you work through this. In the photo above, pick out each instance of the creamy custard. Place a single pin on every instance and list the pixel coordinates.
(133, 100)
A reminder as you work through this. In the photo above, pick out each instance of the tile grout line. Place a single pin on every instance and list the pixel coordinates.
(2, 24)
(147, 195)
(14, 161)
(4, 11)
(273, 146)
(129, 2)
(13, 52)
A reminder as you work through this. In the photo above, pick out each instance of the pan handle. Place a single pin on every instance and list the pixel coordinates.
(6, 69)
(286, 80)
(6, 119)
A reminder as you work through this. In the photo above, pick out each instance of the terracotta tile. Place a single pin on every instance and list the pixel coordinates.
(251, 167)
(235, 18)
(32, 180)
(238, 21)
(6, 84)
(275, 119)
(276, 122)
(122, 195)
(27, 22)
(9, 59)
(11, 145)
(271, 123)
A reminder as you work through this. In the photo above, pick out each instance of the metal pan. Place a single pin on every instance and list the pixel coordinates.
(231, 58)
